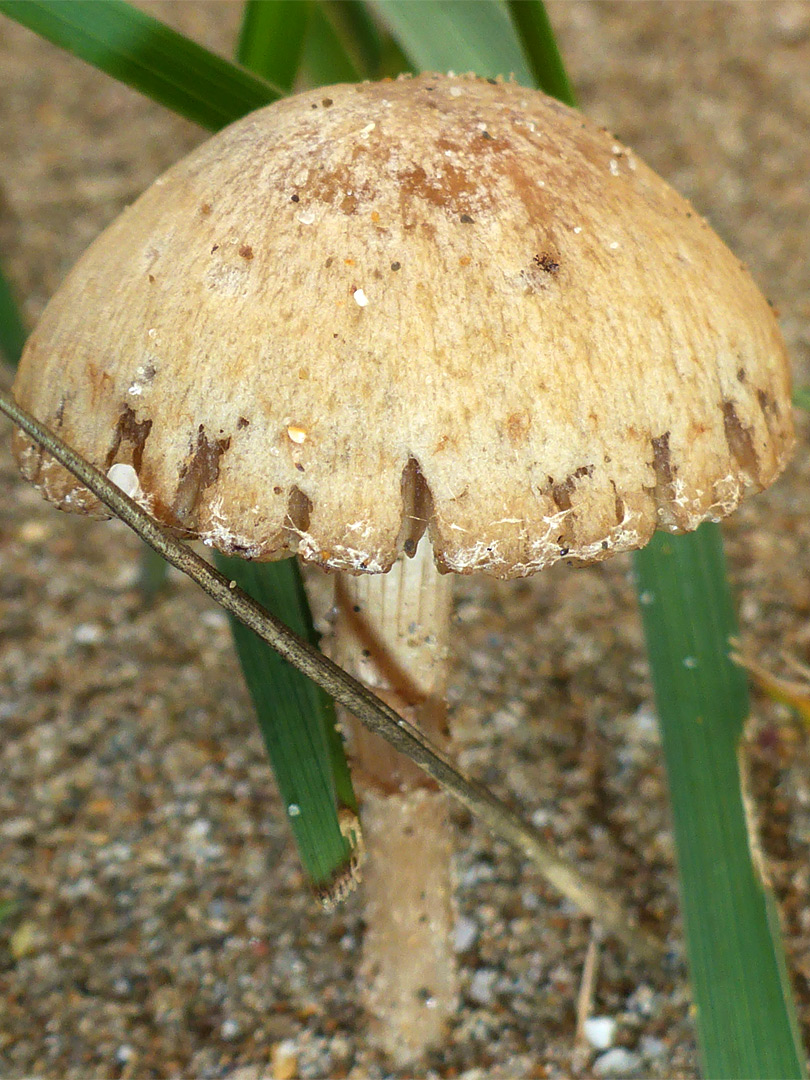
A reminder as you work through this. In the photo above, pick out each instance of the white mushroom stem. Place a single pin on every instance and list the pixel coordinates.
(391, 632)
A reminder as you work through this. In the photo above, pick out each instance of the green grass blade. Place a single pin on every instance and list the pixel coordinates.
(745, 1017)
(458, 35)
(801, 396)
(143, 53)
(292, 714)
(393, 60)
(357, 32)
(533, 26)
(12, 331)
(347, 38)
(271, 42)
(325, 60)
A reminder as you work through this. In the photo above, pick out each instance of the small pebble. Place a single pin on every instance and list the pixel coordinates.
(505, 720)
(616, 1062)
(600, 1031)
(644, 722)
(284, 1060)
(88, 633)
(33, 532)
(198, 829)
(118, 852)
(482, 986)
(642, 1000)
(651, 1047)
(19, 828)
(466, 934)
(530, 900)
(24, 940)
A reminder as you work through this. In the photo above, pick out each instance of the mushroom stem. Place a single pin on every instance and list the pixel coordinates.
(391, 632)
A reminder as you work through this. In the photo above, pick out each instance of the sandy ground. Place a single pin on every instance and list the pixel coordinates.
(162, 928)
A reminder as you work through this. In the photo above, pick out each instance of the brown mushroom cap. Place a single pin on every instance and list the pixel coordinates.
(433, 299)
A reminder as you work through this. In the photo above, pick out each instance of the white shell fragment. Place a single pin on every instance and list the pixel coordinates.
(125, 477)
(559, 355)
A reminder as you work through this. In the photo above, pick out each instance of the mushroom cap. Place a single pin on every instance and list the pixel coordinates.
(440, 302)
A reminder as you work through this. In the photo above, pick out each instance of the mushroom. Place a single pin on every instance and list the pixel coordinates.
(402, 329)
